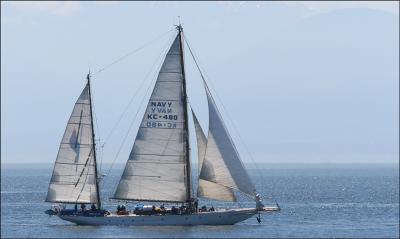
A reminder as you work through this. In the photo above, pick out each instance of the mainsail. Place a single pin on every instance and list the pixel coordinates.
(221, 169)
(74, 174)
(157, 166)
(207, 186)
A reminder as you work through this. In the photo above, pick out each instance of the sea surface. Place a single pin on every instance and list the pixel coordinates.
(350, 201)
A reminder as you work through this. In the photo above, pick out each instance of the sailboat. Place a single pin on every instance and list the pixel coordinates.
(158, 169)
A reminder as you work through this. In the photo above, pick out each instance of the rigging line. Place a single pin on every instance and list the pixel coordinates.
(84, 184)
(129, 104)
(137, 112)
(79, 127)
(207, 89)
(84, 166)
(127, 132)
(132, 52)
(218, 111)
(237, 132)
(101, 161)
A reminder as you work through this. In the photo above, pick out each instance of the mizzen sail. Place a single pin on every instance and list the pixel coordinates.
(74, 174)
(156, 168)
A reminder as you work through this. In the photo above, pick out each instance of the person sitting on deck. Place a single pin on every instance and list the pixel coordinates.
(203, 209)
(83, 207)
(93, 207)
(212, 209)
(174, 210)
(118, 208)
(162, 209)
(122, 211)
(181, 209)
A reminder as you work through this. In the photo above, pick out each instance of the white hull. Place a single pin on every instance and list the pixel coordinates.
(225, 217)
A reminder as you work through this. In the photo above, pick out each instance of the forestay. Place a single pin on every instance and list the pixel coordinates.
(73, 179)
(221, 165)
(207, 187)
(155, 169)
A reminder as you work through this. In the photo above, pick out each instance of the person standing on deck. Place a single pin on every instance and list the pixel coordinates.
(196, 205)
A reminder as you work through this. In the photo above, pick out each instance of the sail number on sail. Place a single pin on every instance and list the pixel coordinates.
(161, 110)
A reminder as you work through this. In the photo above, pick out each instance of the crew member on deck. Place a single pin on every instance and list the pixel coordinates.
(83, 206)
(196, 205)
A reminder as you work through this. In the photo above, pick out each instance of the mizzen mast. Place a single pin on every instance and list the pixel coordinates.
(94, 145)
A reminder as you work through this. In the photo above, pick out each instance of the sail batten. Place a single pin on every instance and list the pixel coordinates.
(156, 166)
(145, 200)
(74, 174)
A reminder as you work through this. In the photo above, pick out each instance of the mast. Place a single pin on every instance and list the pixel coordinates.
(188, 174)
(94, 146)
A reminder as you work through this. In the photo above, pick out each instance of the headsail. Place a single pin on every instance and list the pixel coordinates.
(207, 186)
(156, 168)
(74, 174)
(222, 168)
(201, 141)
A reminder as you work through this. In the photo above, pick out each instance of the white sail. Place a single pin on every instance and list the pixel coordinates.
(201, 141)
(222, 164)
(73, 179)
(155, 170)
(207, 188)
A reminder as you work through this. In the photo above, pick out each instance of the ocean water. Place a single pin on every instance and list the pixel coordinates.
(317, 201)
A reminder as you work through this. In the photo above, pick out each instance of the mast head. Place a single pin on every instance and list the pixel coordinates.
(88, 76)
(179, 27)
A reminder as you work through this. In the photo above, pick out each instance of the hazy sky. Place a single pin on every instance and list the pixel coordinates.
(302, 81)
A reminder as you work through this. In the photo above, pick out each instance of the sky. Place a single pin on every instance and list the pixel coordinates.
(297, 82)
